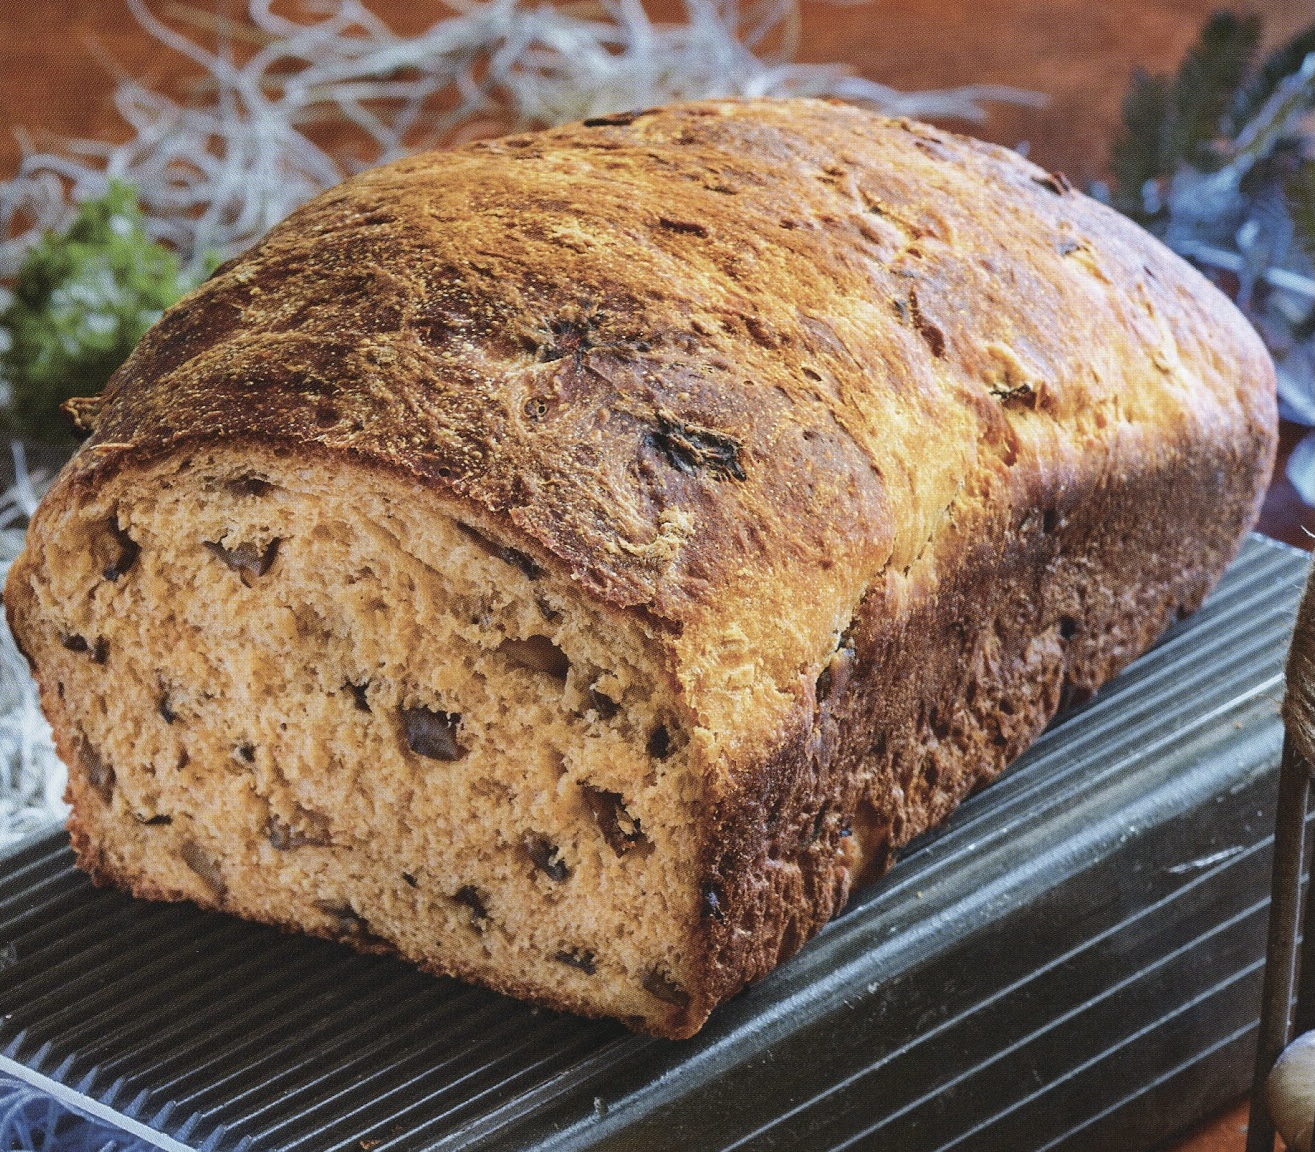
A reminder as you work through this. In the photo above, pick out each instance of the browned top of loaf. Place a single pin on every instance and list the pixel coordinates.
(724, 363)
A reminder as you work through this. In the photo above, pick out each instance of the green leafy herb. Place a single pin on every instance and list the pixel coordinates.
(1207, 84)
(81, 300)
(1139, 152)
(1171, 123)
(1300, 191)
(1283, 62)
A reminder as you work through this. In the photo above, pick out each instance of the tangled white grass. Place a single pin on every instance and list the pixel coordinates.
(31, 775)
(214, 173)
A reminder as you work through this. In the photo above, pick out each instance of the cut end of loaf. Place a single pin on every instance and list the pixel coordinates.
(297, 696)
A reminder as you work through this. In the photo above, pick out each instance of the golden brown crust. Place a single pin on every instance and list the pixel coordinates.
(816, 393)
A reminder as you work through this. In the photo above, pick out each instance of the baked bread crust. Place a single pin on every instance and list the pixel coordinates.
(890, 440)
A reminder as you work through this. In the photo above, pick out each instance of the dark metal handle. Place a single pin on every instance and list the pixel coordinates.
(1281, 952)
(1289, 854)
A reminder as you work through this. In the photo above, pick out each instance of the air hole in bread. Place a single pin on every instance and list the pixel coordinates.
(621, 830)
(432, 733)
(537, 653)
(250, 486)
(603, 704)
(127, 550)
(659, 742)
(687, 227)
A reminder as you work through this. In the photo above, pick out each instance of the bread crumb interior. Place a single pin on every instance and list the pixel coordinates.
(368, 715)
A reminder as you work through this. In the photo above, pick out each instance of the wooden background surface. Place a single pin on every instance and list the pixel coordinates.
(58, 59)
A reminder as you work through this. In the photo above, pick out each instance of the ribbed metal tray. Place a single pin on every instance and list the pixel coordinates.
(1073, 962)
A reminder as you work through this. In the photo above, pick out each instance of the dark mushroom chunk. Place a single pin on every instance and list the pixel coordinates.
(658, 984)
(349, 925)
(547, 857)
(100, 651)
(508, 555)
(537, 653)
(152, 821)
(603, 704)
(358, 695)
(246, 753)
(205, 866)
(470, 897)
(411, 880)
(579, 958)
(100, 775)
(432, 734)
(286, 837)
(247, 560)
(1055, 182)
(834, 678)
(686, 227)
(711, 905)
(165, 709)
(691, 450)
(613, 120)
(621, 830)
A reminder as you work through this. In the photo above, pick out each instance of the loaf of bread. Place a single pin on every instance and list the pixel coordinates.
(573, 562)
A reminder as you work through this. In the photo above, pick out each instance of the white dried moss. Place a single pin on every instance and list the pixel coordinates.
(31, 775)
(216, 172)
